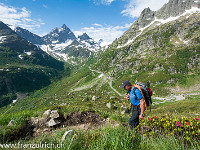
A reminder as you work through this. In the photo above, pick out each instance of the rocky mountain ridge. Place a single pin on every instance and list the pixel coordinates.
(176, 7)
(33, 38)
(150, 19)
(159, 50)
(59, 35)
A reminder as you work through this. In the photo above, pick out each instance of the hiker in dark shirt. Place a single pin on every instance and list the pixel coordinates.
(137, 103)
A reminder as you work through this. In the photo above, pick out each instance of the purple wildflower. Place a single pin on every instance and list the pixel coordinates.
(188, 123)
(178, 124)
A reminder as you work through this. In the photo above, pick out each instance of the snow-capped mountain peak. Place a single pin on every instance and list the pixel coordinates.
(59, 35)
(62, 43)
(63, 28)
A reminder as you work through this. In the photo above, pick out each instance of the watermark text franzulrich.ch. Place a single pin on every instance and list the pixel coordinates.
(34, 146)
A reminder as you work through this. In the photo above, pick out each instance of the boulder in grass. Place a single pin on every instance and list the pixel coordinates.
(94, 98)
(54, 114)
(108, 105)
(52, 123)
(47, 113)
(34, 120)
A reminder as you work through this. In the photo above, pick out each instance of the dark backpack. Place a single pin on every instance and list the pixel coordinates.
(146, 93)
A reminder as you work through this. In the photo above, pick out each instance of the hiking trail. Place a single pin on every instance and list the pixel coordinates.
(95, 81)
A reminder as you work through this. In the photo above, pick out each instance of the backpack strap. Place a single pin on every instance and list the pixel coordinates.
(138, 87)
(134, 92)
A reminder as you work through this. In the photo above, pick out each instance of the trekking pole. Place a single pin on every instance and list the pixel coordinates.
(150, 107)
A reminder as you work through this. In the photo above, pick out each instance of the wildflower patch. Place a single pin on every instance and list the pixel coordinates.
(188, 128)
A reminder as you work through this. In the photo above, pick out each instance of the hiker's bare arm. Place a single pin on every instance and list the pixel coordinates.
(142, 106)
(127, 96)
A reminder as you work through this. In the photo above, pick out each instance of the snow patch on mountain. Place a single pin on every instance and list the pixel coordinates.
(12, 27)
(28, 53)
(89, 44)
(2, 39)
(157, 22)
(20, 56)
(54, 47)
(56, 50)
(63, 56)
(187, 13)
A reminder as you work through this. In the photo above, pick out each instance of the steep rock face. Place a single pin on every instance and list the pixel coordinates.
(73, 50)
(100, 41)
(77, 50)
(147, 16)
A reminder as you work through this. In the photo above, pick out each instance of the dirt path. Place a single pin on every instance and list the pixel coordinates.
(109, 80)
(173, 98)
(95, 81)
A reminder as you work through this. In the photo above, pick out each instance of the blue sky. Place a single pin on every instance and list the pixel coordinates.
(100, 19)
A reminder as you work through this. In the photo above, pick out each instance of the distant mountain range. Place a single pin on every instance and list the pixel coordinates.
(29, 62)
(62, 43)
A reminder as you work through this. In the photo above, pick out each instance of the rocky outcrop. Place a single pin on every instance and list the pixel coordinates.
(49, 120)
(52, 119)
(146, 17)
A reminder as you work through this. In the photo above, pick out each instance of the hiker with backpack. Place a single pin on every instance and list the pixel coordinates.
(137, 94)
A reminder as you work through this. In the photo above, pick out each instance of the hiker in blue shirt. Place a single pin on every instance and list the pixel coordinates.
(137, 102)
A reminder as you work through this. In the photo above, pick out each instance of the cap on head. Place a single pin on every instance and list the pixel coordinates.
(124, 83)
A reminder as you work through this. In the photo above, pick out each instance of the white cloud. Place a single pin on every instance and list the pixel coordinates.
(19, 17)
(95, 24)
(45, 6)
(103, 2)
(135, 7)
(106, 32)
